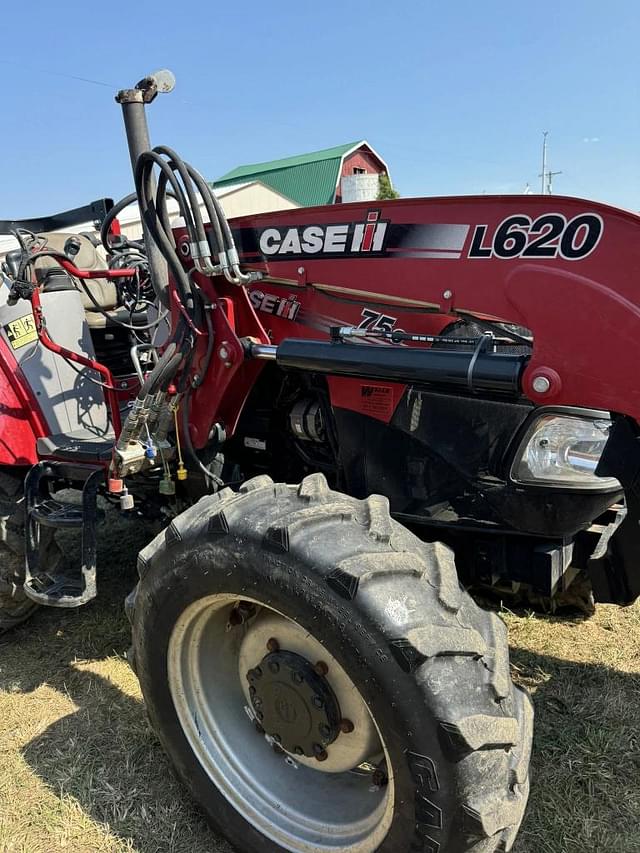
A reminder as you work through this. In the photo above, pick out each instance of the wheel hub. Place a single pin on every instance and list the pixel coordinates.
(294, 703)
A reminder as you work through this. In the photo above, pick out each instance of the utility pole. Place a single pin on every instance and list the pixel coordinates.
(550, 176)
(545, 133)
(546, 185)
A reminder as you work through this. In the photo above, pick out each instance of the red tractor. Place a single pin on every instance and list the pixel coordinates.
(351, 415)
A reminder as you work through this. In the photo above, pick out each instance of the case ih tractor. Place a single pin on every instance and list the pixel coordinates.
(349, 415)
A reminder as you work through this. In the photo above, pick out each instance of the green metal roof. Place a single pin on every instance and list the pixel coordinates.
(308, 179)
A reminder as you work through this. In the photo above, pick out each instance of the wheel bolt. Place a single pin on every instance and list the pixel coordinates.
(346, 726)
(273, 645)
(257, 672)
(319, 752)
(321, 668)
(260, 715)
(257, 702)
(324, 730)
(252, 690)
(274, 666)
(298, 750)
(317, 702)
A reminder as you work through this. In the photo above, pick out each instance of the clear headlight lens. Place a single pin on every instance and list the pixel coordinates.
(564, 450)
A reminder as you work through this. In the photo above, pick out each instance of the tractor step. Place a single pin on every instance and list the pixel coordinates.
(43, 509)
(53, 513)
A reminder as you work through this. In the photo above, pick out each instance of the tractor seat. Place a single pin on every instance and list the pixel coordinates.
(105, 294)
(79, 446)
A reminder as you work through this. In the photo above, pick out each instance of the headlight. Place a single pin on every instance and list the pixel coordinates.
(564, 450)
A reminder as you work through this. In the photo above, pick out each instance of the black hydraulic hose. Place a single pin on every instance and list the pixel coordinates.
(111, 215)
(158, 234)
(177, 163)
(144, 171)
(160, 371)
(214, 210)
(186, 440)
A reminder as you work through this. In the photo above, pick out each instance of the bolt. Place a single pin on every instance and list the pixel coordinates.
(277, 738)
(297, 677)
(319, 752)
(324, 730)
(300, 270)
(317, 702)
(447, 294)
(254, 673)
(260, 715)
(256, 701)
(274, 666)
(346, 726)
(223, 352)
(252, 690)
(321, 668)
(541, 384)
(273, 645)
(298, 750)
(259, 728)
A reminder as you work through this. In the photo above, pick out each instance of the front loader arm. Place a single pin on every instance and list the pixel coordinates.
(565, 268)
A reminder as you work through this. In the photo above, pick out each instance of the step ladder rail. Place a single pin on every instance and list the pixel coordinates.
(44, 510)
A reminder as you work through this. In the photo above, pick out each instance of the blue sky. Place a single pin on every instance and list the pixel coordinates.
(454, 95)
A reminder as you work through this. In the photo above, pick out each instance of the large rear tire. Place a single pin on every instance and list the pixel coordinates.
(239, 597)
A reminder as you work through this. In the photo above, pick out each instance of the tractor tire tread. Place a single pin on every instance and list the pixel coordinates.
(459, 659)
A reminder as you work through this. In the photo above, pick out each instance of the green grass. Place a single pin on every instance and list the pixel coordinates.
(81, 771)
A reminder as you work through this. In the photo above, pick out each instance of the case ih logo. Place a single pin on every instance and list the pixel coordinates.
(351, 238)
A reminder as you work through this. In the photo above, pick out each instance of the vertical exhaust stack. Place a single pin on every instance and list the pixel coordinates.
(133, 102)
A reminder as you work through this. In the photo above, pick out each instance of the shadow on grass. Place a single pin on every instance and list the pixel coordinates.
(585, 771)
(104, 755)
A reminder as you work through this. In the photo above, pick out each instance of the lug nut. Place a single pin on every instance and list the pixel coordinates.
(319, 752)
(346, 727)
(257, 702)
(257, 672)
(274, 666)
(317, 702)
(298, 750)
(259, 728)
(321, 668)
(260, 715)
(252, 690)
(273, 645)
(277, 738)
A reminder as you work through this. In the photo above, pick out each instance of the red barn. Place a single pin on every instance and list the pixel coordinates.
(344, 173)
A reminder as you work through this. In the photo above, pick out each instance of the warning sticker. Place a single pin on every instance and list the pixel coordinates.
(377, 400)
(22, 331)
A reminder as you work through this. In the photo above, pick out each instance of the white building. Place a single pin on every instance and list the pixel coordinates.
(241, 199)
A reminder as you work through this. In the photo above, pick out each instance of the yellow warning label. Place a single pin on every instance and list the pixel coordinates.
(21, 331)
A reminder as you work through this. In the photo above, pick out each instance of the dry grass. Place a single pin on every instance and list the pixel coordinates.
(81, 772)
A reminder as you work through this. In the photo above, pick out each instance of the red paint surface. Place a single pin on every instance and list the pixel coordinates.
(21, 421)
(585, 314)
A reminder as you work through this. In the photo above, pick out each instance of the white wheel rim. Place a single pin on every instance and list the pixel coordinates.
(294, 801)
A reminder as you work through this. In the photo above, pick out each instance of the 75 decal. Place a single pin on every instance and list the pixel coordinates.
(549, 236)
